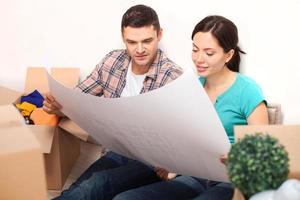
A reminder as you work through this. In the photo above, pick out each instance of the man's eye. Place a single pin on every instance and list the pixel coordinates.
(130, 42)
(147, 41)
(195, 50)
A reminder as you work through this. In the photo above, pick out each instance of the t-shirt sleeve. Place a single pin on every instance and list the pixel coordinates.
(251, 97)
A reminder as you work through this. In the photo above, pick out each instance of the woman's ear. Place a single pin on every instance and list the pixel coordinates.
(229, 55)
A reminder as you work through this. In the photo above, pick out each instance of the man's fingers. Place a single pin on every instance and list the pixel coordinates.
(49, 97)
(51, 107)
(56, 105)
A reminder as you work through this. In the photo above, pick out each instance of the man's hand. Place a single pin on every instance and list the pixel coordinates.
(51, 106)
(164, 174)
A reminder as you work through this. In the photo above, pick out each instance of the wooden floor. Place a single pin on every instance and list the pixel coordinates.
(88, 154)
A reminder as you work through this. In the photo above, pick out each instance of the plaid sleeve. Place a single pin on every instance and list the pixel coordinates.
(92, 84)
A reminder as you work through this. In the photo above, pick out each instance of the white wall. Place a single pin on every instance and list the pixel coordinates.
(78, 33)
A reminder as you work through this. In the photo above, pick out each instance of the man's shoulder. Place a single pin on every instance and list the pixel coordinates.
(116, 53)
(114, 59)
(169, 66)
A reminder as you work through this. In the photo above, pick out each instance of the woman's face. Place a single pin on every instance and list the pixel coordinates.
(209, 57)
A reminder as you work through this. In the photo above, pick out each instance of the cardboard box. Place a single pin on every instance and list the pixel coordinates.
(22, 172)
(60, 148)
(288, 135)
(7, 96)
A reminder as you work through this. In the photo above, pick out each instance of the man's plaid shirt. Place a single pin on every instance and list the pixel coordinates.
(109, 77)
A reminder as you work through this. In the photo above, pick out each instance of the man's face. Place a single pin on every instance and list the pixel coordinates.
(141, 44)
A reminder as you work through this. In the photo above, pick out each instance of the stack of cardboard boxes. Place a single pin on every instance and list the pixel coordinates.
(60, 145)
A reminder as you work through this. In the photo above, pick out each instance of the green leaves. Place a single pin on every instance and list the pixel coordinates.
(257, 163)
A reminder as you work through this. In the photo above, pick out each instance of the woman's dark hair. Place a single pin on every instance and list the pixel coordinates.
(138, 16)
(226, 33)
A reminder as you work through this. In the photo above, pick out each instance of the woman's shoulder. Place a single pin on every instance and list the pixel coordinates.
(248, 87)
(246, 81)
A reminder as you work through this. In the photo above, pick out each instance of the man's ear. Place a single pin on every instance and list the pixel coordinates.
(122, 37)
(159, 34)
(229, 55)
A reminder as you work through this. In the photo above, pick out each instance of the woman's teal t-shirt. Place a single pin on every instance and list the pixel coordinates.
(236, 104)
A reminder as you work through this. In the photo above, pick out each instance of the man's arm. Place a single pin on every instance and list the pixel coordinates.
(91, 84)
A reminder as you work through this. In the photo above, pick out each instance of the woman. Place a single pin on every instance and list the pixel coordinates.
(237, 100)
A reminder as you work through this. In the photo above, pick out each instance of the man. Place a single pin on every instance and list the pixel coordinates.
(140, 68)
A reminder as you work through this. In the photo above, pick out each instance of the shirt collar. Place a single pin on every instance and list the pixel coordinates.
(154, 67)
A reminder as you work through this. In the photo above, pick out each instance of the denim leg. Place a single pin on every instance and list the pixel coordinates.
(109, 161)
(110, 176)
(182, 187)
(217, 191)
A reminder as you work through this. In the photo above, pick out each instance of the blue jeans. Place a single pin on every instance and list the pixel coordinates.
(180, 188)
(109, 176)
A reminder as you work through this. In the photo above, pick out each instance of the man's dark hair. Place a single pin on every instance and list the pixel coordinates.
(139, 16)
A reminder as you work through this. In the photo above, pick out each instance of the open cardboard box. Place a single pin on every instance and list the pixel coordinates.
(288, 136)
(60, 147)
(22, 172)
(7, 96)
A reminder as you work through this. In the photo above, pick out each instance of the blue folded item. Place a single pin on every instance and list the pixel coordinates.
(34, 98)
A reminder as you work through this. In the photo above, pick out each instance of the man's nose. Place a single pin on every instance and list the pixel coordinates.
(140, 48)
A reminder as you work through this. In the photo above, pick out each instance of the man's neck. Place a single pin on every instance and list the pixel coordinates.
(139, 70)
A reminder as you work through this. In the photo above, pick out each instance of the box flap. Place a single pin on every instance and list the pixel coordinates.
(10, 126)
(36, 79)
(7, 96)
(288, 135)
(17, 139)
(73, 128)
(69, 77)
(11, 114)
(45, 135)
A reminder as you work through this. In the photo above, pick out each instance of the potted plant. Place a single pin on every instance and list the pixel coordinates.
(257, 163)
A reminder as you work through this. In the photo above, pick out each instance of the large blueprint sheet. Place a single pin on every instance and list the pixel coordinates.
(175, 127)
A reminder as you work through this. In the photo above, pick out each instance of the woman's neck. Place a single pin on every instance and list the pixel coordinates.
(221, 79)
(218, 83)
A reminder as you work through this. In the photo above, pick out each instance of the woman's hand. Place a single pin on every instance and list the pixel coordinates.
(164, 174)
(223, 159)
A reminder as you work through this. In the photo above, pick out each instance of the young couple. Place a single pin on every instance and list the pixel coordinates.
(142, 67)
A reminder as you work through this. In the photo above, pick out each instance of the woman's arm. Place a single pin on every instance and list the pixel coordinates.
(259, 115)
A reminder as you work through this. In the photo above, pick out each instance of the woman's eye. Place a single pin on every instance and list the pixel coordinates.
(195, 50)
(210, 54)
